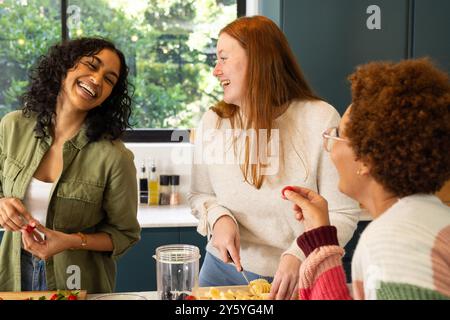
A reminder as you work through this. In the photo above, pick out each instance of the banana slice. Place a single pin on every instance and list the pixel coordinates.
(257, 290)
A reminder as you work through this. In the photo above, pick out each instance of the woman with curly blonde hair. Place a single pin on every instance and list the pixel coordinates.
(391, 151)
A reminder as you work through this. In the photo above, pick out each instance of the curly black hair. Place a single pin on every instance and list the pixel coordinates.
(109, 120)
(400, 123)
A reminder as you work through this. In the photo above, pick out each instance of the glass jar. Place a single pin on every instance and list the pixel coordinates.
(164, 190)
(143, 185)
(174, 193)
(177, 268)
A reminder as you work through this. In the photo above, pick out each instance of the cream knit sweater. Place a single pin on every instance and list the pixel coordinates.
(266, 223)
(402, 254)
(405, 252)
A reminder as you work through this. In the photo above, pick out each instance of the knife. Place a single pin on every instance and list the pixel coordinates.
(242, 269)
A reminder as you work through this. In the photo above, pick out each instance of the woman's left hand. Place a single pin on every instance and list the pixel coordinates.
(285, 282)
(54, 243)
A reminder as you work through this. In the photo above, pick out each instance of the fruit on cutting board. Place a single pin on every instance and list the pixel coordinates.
(45, 295)
(256, 290)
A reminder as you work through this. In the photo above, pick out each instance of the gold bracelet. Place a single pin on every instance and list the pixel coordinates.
(83, 238)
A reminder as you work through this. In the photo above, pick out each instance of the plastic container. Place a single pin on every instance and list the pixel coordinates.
(177, 268)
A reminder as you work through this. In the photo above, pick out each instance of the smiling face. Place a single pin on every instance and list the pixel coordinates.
(90, 82)
(231, 69)
(350, 182)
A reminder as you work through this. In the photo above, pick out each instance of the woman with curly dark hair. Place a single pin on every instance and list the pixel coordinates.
(392, 154)
(68, 198)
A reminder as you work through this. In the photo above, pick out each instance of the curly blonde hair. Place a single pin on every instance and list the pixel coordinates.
(400, 124)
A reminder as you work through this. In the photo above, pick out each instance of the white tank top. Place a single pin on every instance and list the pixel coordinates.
(37, 199)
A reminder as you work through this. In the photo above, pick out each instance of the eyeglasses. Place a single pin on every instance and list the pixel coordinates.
(330, 136)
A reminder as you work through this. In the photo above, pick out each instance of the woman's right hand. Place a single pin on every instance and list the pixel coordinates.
(226, 239)
(13, 214)
(309, 207)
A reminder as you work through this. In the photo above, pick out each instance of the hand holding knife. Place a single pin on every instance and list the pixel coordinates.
(242, 269)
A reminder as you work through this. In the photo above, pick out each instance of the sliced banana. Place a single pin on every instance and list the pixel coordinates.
(257, 290)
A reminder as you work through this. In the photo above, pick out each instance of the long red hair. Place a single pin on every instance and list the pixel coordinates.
(273, 80)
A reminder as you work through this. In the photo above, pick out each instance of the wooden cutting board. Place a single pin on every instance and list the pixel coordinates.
(24, 295)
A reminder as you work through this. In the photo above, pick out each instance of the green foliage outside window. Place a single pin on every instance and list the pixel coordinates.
(169, 46)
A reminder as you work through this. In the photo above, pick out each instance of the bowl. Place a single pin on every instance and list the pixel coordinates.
(120, 296)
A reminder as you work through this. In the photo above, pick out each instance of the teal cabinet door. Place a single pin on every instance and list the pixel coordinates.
(191, 236)
(431, 31)
(330, 38)
(136, 270)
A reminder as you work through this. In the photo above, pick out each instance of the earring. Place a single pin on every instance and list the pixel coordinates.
(358, 172)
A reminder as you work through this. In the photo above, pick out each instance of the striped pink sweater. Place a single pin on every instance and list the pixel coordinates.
(403, 254)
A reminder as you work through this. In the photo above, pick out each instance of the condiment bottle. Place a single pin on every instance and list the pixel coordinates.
(164, 190)
(143, 185)
(174, 194)
(153, 185)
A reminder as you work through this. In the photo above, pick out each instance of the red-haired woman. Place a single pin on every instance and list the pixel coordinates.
(265, 134)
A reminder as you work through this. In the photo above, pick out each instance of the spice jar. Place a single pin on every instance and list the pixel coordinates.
(174, 194)
(164, 190)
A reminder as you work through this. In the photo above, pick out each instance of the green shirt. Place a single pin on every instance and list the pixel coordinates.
(96, 192)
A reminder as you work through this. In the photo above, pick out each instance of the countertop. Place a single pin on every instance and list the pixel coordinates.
(166, 216)
(144, 295)
(179, 216)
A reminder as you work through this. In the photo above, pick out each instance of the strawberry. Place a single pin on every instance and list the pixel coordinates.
(72, 297)
(286, 188)
(54, 296)
(30, 228)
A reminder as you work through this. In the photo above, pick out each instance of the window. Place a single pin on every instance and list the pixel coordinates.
(169, 46)
(28, 28)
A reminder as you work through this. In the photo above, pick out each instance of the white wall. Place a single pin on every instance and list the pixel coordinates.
(252, 7)
(170, 159)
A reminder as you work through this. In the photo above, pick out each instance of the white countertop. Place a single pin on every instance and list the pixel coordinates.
(145, 295)
(179, 216)
(166, 216)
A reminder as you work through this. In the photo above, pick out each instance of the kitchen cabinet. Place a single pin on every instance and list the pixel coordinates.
(330, 38)
(431, 26)
(136, 270)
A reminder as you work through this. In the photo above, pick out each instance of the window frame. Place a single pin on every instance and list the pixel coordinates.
(148, 135)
